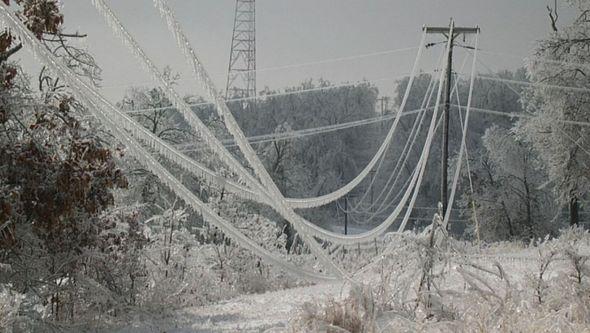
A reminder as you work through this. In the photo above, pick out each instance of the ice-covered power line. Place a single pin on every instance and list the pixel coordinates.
(259, 170)
(268, 189)
(413, 135)
(387, 202)
(153, 142)
(256, 164)
(285, 93)
(527, 83)
(230, 123)
(258, 139)
(83, 93)
(539, 60)
(524, 115)
(288, 66)
(358, 83)
(416, 126)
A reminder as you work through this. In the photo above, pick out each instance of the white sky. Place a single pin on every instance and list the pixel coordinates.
(291, 32)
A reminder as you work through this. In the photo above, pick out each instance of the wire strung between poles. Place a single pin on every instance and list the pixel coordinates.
(411, 138)
(119, 30)
(82, 92)
(246, 149)
(278, 94)
(387, 203)
(404, 155)
(234, 129)
(313, 228)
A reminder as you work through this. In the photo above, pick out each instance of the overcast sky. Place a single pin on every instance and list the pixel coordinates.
(292, 32)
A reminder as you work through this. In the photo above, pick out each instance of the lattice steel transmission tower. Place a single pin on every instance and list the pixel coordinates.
(241, 76)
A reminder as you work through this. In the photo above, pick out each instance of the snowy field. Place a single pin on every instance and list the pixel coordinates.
(464, 276)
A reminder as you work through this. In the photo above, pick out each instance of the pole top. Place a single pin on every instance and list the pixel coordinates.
(456, 30)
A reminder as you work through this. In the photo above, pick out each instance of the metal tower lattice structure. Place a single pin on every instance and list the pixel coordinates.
(241, 76)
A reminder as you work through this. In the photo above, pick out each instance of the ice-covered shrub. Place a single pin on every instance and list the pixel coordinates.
(9, 307)
(504, 287)
(355, 314)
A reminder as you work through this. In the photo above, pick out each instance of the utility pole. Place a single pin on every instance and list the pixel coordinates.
(372, 173)
(384, 103)
(346, 214)
(451, 32)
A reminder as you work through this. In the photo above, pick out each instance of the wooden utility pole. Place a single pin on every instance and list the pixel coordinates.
(384, 103)
(372, 173)
(451, 32)
(346, 215)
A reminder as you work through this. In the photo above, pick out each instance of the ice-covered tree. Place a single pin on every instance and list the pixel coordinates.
(508, 198)
(151, 108)
(561, 60)
(57, 176)
(276, 155)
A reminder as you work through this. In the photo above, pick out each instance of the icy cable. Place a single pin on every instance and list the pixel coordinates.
(388, 201)
(234, 129)
(376, 172)
(416, 180)
(417, 125)
(397, 171)
(152, 142)
(297, 134)
(427, 147)
(409, 211)
(217, 148)
(78, 88)
(294, 219)
(364, 82)
(231, 125)
(411, 138)
(274, 197)
(474, 210)
(299, 223)
(420, 169)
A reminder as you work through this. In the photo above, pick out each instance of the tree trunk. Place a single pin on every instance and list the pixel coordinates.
(573, 206)
(529, 212)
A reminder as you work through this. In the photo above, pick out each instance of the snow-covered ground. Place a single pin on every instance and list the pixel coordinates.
(264, 312)
(268, 312)
(271, 312)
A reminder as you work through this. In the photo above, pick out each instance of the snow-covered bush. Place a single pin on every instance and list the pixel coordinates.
(355, 314)
(541, 294)
(176, 274)
(505, 287)
(9, 307)
(241, 270)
